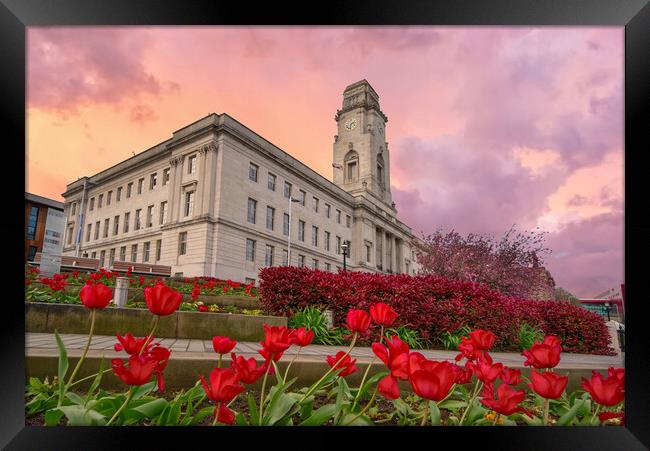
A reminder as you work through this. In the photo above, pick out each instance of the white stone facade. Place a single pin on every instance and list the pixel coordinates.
(208, 220)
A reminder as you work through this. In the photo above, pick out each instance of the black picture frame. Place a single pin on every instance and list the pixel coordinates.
(634, 15)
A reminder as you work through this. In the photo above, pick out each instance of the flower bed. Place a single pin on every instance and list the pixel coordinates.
(433, 306)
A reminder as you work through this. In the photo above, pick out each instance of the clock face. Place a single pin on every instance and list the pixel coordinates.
(351, 124)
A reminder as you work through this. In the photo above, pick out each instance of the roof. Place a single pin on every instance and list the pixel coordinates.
(44, 200)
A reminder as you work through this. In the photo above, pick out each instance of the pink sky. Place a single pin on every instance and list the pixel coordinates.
(488, 126)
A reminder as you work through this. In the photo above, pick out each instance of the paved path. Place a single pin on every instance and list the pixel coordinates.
(202, 349)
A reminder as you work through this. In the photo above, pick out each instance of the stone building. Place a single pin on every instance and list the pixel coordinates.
(36, 208)
(214, 200)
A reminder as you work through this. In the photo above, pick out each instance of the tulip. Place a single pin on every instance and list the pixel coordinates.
(434, 381)
(223, 414)
(357, 321)
(388, 387)
(395, 355)
(276, 339)
(510, 376)
(605, 391)
(507, 402)
(485, 370)
(247, 370)
(130, 344)
(160, 355)
(482, 339)
(139, 371)
(301, 337)
(162, 300)
(468, 350)
(223, 345)
(548, 384)
(604, 416)
(346, 363)
(463, 374)
(619, 373)
(96, 296)
(224, 385)
(383, 314)
(545, 354)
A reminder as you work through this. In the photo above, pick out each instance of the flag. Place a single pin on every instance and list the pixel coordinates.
(337, 166)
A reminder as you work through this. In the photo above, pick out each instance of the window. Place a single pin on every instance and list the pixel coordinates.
(314, 263)
(69, 234)
(31, 254)
(137, 219)
(111, 257)
(315, 199)
(93, 255)
(301, 230)
(145, 251)
(301, 197)
(301, 261)
(338, 245)
(109, 196)
(102, 257)
(252, 172)
(250, 250)
(285, 224)
(287, 190)
(328, 208)
(97, 230)
(33, 221)
(314, 236)
(127, 218)
(327, 240)
(189, 203)
(92, 204)
(165, 177)
(338, 268)
(182, 243)
(270, 217)
(252, 208)
(153, 178)
(338, 216)
(134, 253)
(271, 182)
(123, 253)
(328, 267)
(158, 249)
(163, 212)
(100, 199)
(352, 170)
(149, 215)
(73, 208)
(191, 164)
(88, 229)
(129, 190)
(285, 257)
(140, 185)
(268, 256)
(368, 247)
(118, 194)
(348, 221)
(106, 221)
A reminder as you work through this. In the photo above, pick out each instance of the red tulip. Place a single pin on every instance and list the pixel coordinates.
(463, 374)
(162, 300)
(434, 381)
(547, 384)
(619, 373)
(301, 337)
(485, 370)
(160, 355)
(468, 350)
(482, 339)
(203, 308)
(511, 376)
(139, 371)
(224, 385)
(507, 402)
(130, 344)
(96, 296)
(383, 314)
(195, 293)
(276, 340)
(224, 415)
(545, 354)
(247, 370)
(604, 416)
(357, 321)
(395, 355)
(223, 345)
(347, 363)
(605, 391)
(388, 387)
(268, 356)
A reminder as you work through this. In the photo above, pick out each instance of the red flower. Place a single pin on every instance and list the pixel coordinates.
(141, 280)
(160, 355)
(247, 370)
(301, 337)
(383, 314)
(434, 381)
(203, 308)
(195, 293)
(96, 296)
(75, 274)
(347, 363)
(511, 376)
(357, 321)
(485, 370)
(604, 416)
(268, 356)
(162, 300)
(395, 355)
(463, 374)
(507, 402)
(95, 276)
(276, 339)
(130, 344)
(388, 387)
(547, 384)
(468, 350)
(223, 345)
(619, 373)
(139, 371)
(605, 391)
(545, 354)
(224, 385)
(225, 415)
(482, 339)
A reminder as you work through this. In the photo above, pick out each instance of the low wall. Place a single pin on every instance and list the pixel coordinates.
(75, 319)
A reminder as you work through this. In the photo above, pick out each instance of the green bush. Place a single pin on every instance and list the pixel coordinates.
(528, 335)
(451, 340)
(409, 336)
(314, 319)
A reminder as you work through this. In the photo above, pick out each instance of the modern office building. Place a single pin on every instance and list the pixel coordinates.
(214, 200)
(36, 208)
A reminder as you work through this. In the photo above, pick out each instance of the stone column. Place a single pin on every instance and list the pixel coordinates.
(386, 256)
(121, 293)
(176, 187)
(207, 184)
(395, 255)
(173, 175)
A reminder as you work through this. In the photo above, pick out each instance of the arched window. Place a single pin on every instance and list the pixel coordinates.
(380, 171)
(351, 166)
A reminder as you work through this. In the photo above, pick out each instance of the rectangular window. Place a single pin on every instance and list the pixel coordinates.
(129, 190)
(328, 208)
(116, 225)
(314, 236)
(285, 257)
(109, 196)
(127, 219)
(338, 216)
(92, 204)
(189, 203)
(271, 182)
(118, 194)
(153, 179)
(315, 199)
(348, 221)
(191, 164)
(134, 253)
(165, 178)
(97, 230)
(136, 226)
(100, 200)
(111, 257)
(301, 230)
(328, 267)
(314, 263)
(352, 170)
(123, 253)
(73, 208)
(33, 222)
(270, 217)
(252, 172)
(268, 256)
(32, 253)
(106, 221)
(287, 190)
(69, 235)
(158, 249)
(338, 245)
(250, 250)
(150, 216)
(88, 229)
(145, 251)
(301, 261)
(163, 212)
(301, 197)
(252, 207)
(182, 243)
(140, 185)
(327, 240)
(93, 254)
(368, 247)
(102, 257)
(285, 224)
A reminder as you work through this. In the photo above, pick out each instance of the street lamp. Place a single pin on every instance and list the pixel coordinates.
(345, 246)
(607, 309)
(291, 200)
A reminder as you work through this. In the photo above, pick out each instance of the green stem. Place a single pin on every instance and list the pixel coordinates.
(426, 413)
(286, 373)
(156, 319)
(595, 414)
(219, 363)
(363, 379)
(471, 401)
(374, 395)
(262, 394)
(496, 419)
(122, 407)
(546, 409)
(83, 355)
(214, 423)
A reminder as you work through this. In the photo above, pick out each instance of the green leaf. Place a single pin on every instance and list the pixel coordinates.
(174, 413)
(152, 408)
(475, 412)
(52, 417)
(279, 408)
(360, 421)
(97, 380)
(570, 415)
(278, 375)
(201, 414)
(75, 398)
(306, 407)
(63, 364)
(531, 421)
(434, 413)
(80, 416)
(452, 404)
(144, 390)
(321, 416)
(252, 410)
(452, 420)
(371, 383)
(240, 420)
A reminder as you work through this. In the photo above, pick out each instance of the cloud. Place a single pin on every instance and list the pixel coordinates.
(142, 114)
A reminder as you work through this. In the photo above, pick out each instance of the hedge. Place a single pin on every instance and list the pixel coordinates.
(433, 305)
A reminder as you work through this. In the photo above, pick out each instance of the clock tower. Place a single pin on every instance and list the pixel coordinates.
(361, 159)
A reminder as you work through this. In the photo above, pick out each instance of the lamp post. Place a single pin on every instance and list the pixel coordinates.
(345, 246)
(607, 308)
(291, 200)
